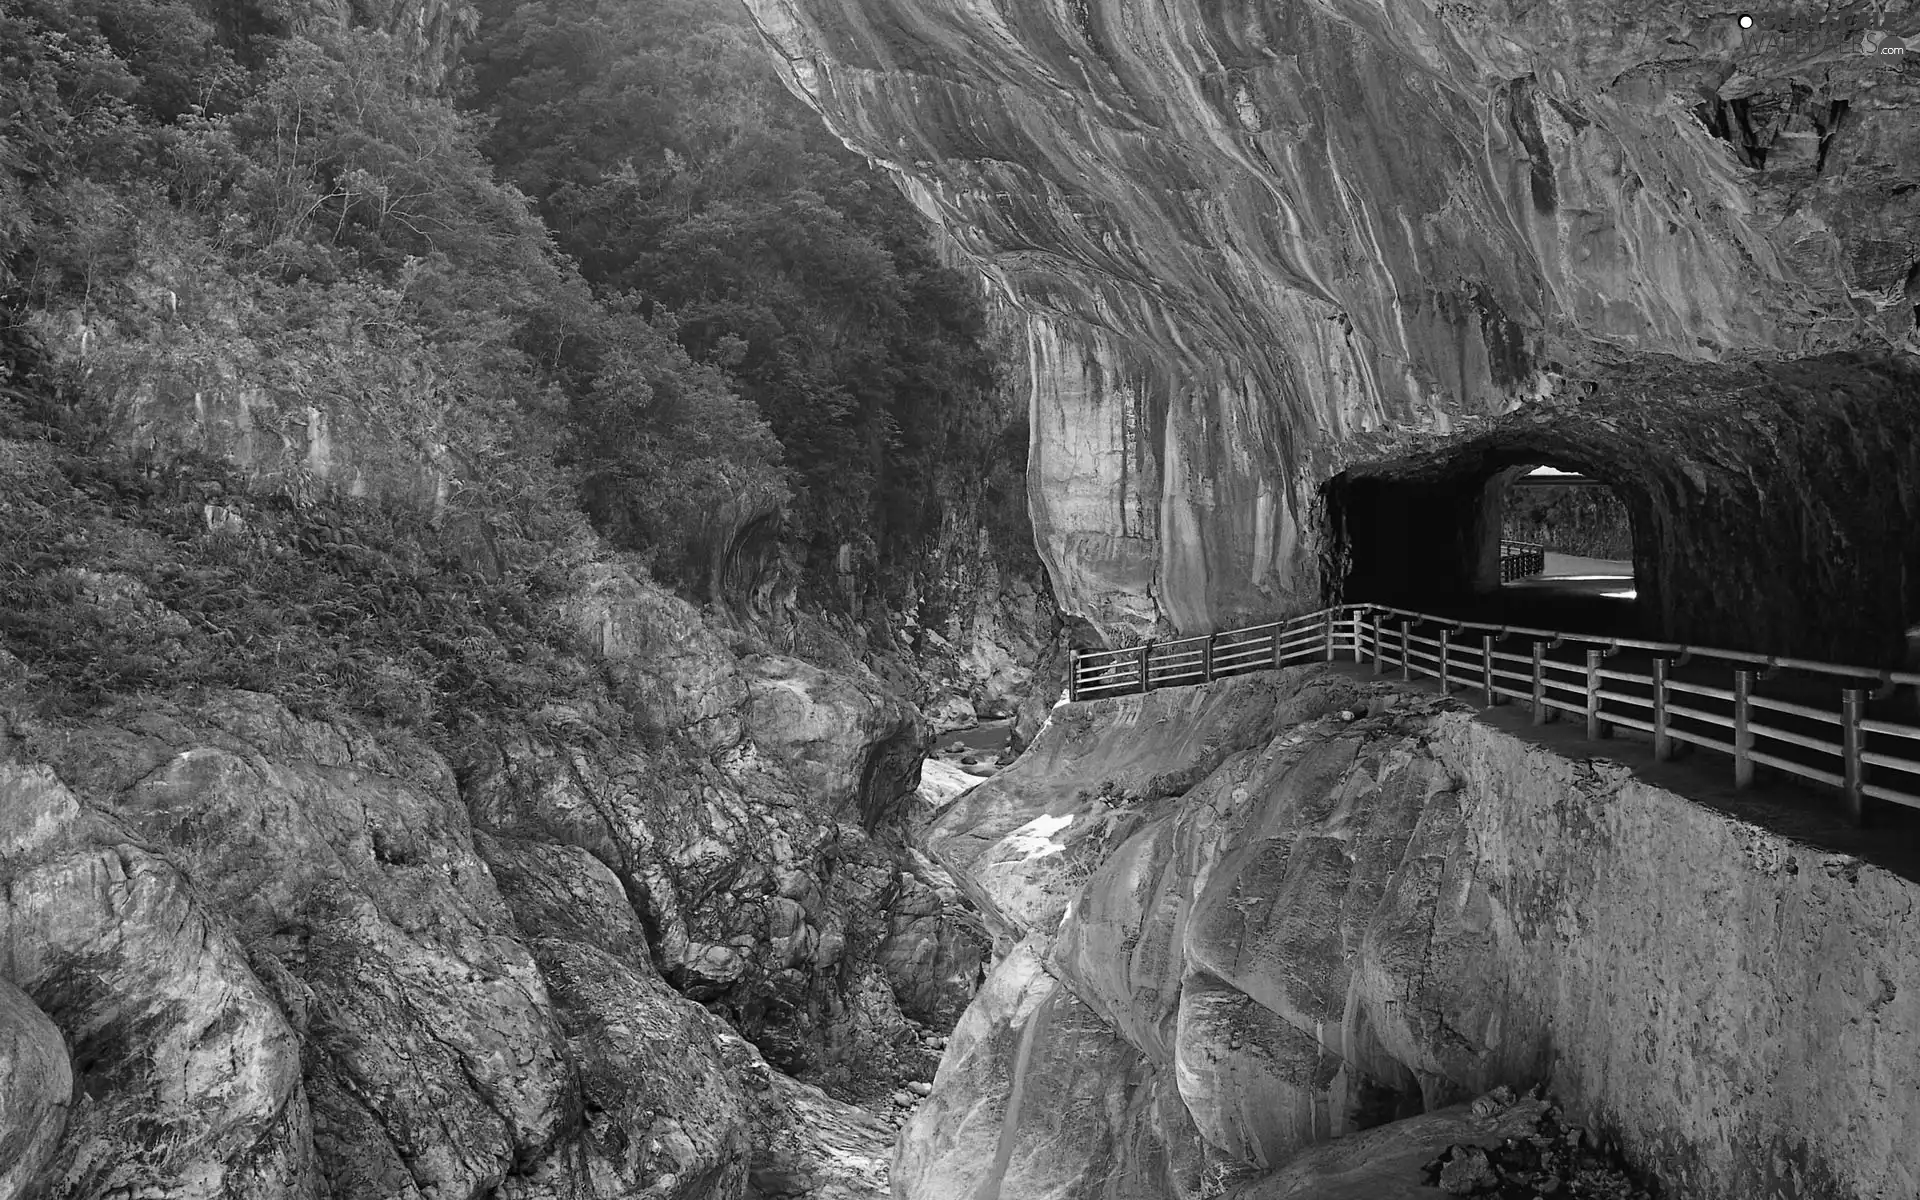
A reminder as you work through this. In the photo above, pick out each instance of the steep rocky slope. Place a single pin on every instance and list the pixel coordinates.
(582, 956)
(1266, 912)
(1257, 243)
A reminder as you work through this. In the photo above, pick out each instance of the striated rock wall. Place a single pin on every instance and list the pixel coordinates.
(1259, 242)
(1319, 923)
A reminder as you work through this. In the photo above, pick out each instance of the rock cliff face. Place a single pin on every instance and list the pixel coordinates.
(1257, 243)
(38, 1083)
(254, 954)
(1260, 914)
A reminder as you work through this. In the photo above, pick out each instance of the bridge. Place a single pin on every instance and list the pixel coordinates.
(1826, 724)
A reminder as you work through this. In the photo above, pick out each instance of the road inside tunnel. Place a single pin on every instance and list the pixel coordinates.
(1434, 543)
(1578, 575)
(1770, 508)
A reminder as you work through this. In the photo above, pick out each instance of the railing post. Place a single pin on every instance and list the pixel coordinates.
(1379, 647)
(1853, 702)
(1406, 660)
(1329, 635)
(1662, 740)
(1446, 639)
(1596, 728)
(1356, 637)
(1486, 662)
(1539, 685)
(1073, 674)
(1206, 659)
(1742, 732)
(1146, 663)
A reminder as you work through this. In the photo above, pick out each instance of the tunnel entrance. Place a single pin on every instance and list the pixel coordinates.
(1565, 534)
(1443, 537)
(1772, 508)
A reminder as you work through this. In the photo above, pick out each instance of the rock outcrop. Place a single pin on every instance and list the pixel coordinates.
(855, 754)
(176, 1045)
(36, 1087)
(1345, 904)
(268, 954)
(1255, 244)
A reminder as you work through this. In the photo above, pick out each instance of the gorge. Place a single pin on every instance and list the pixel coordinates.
(1301, 281)
(500, 515)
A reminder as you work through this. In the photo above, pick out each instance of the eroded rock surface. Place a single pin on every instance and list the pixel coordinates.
(295, 956)
(854, 750)
(186, 1073)
(1253, 242)
(1370, 905)
(36, 1086)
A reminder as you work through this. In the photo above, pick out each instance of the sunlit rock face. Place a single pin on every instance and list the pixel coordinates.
(249, 952)
(36, 1085)
(1345, 906)
(1253, 239)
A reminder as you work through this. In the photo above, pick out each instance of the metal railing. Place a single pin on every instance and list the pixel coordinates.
(1521, 559)
(1803, 730)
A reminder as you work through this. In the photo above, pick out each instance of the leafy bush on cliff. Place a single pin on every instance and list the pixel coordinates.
(322, 235)
(228, 237)
(118, 580)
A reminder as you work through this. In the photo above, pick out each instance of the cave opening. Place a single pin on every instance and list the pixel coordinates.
(1563, 533)
(1770, 509)
(1453, 537)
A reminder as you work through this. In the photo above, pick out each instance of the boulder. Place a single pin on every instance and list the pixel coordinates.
(669, 667)
(1022, 841)
(950, 713)
(935, 946)
(941, 783)
(359, 877)
(749, 886)
(175, 1045)
(853, 748)
(1036, 1097)
(36, 1085)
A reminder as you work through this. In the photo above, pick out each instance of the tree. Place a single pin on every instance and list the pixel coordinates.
(674, 167)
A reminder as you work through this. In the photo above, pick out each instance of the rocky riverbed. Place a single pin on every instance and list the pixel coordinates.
(980, 750)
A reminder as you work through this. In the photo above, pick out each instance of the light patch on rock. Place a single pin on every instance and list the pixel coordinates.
(942, 782)
(1035, 838)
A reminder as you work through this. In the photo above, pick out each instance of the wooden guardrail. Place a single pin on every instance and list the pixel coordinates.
(1805, 730)
(1521, 559)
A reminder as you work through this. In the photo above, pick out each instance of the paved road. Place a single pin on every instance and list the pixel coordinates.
(1572, 575)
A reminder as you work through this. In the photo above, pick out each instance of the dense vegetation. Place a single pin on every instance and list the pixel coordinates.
(674, 168)
(718, 269)
(606, 268)
(1589, 521)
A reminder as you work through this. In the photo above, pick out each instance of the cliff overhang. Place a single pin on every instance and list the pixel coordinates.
(1259, 244)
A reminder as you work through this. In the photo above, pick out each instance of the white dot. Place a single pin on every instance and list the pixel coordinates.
(1746, 22)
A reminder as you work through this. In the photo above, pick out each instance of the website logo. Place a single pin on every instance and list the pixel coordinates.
(1879, 42)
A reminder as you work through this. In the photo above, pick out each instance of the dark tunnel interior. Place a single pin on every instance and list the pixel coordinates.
(1431, 540)
(1771, 509)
